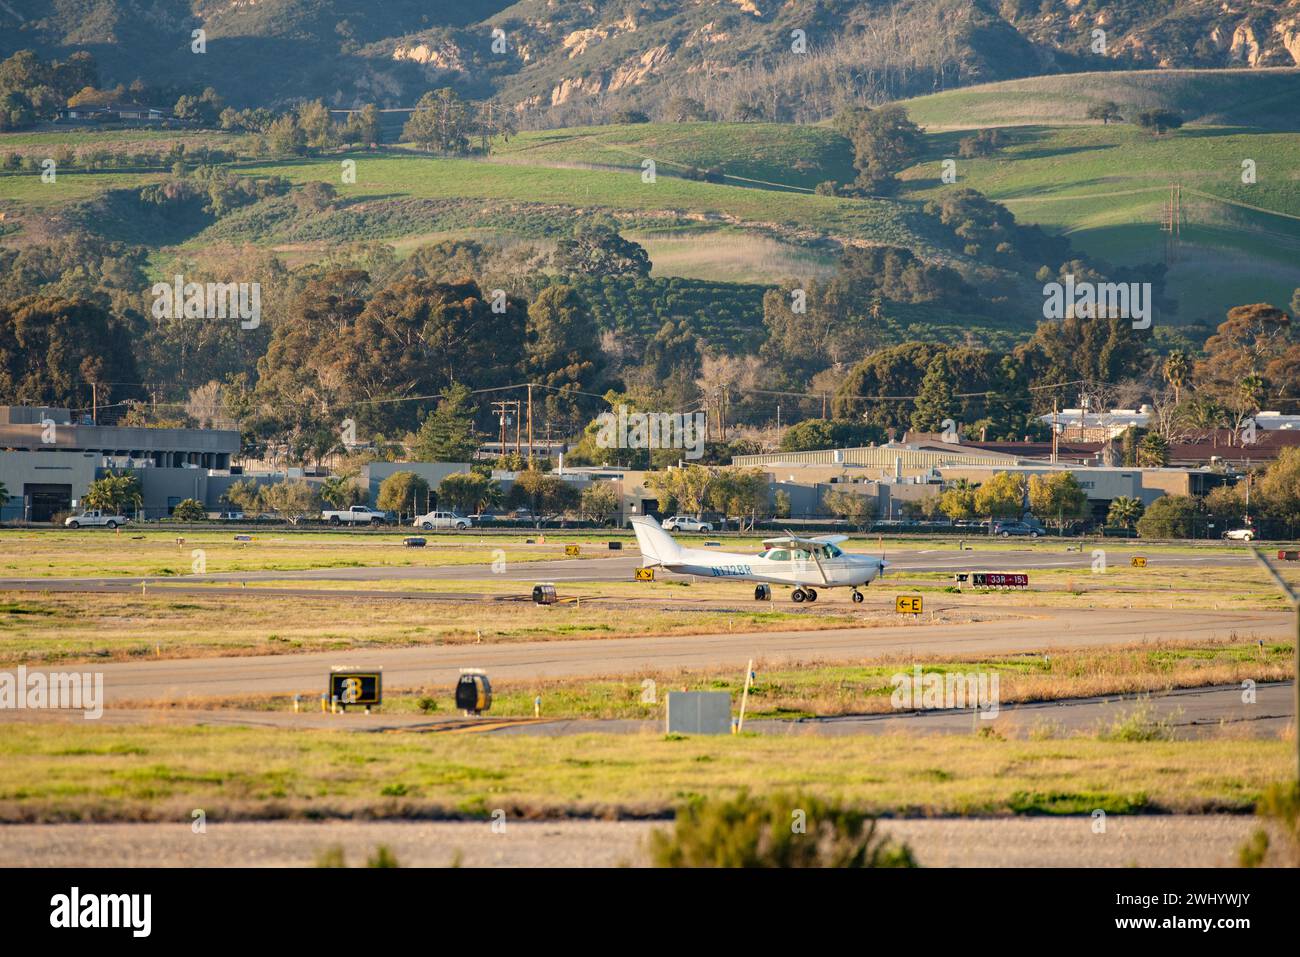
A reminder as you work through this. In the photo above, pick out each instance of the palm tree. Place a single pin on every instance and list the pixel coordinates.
(1153, 451)
(1177, 368)
(1203, 412)
(1125, 511)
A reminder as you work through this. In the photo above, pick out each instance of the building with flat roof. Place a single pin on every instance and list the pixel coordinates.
(896, 473)
(1085, 425)
(49, 457)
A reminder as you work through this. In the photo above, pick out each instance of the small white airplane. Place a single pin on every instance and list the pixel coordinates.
(805, 563)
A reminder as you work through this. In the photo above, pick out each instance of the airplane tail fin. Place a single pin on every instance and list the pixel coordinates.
(657, 546)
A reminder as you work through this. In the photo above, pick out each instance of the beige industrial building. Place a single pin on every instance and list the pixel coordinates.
(897, 473)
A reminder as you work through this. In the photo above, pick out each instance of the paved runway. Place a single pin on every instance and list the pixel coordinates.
(438, 665)
(619, 568)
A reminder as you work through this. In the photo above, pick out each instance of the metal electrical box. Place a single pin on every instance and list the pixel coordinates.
(473, 691)
(699, 712)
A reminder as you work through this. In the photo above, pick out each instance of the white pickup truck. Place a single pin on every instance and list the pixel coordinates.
(432, 520)
(356, 515)
(96, 517)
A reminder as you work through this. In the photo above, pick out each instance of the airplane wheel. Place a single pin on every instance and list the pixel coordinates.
(812, 595)
(762, 593)
(798, 595)
(857, 598)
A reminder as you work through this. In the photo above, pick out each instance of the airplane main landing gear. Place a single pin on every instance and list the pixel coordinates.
(762, 592)
(857, 597)
(804, 594)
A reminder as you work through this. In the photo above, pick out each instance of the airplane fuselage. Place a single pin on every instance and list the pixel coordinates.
(843, 571)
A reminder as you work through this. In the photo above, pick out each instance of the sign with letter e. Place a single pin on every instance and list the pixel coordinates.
(908, 604)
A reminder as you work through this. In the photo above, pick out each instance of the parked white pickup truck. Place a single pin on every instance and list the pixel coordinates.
(356, 515)
(432, 520)
(96, 517)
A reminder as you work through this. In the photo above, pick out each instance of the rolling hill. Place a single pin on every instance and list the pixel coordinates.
(1267, 99)
(749, 154)
(1108, 186)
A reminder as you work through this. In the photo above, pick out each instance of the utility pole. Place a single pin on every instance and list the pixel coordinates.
(1295, 607)
(1248, 517)
(1056, 432)
(94, 402)
(501, 426)
(530, 425)
(503, 407)
(1173, 222)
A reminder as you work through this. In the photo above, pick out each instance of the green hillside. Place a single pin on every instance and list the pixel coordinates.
(1262, 99)
(755, 154)
(391, 177)
(1108, 187)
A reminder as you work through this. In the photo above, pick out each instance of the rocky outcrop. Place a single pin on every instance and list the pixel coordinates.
(579, 41)
(1287, 32)
(630, 73)
(635, 71)
(568, 88)
(1245, 45)
(445, 56)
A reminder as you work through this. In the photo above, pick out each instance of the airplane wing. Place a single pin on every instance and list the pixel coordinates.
(796, 540)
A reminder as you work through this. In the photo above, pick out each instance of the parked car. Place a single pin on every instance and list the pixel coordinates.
(1009, 529)
(684, 523)
(432, 520)
(230, 516)
(95, 517)
(1241, 534)
(356, 515)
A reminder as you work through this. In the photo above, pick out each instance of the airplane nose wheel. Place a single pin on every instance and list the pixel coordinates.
(857, 597)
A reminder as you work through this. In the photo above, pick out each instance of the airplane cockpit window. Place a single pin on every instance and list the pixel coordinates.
(777, 555)
(831, 552)
(800, 555)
